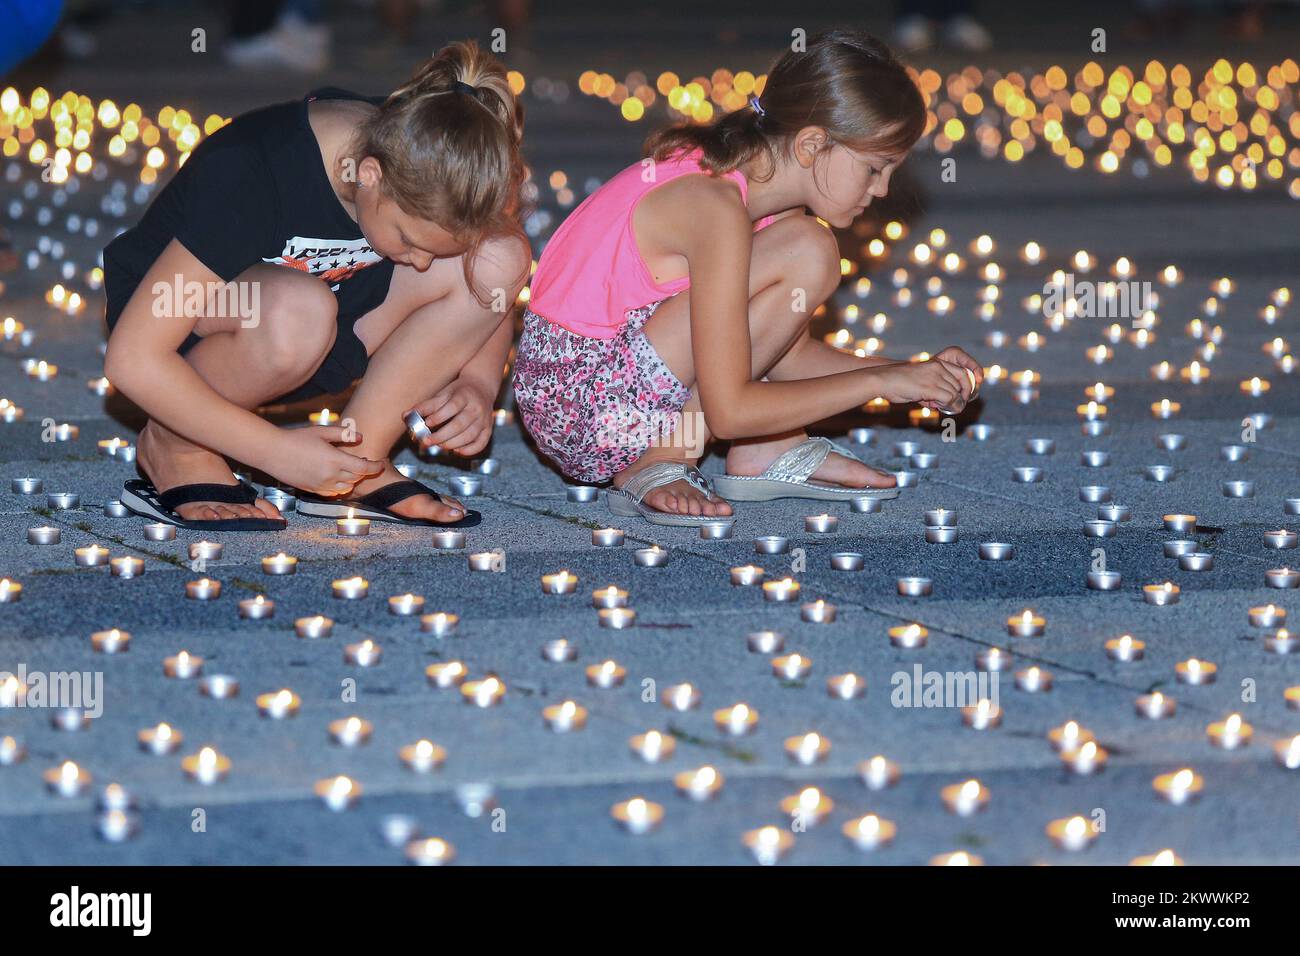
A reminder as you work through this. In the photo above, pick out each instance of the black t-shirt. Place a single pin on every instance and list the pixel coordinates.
(254, 191)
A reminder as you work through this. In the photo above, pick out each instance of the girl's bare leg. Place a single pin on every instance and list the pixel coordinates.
(278, 350)
(794, 262)
(428, 329)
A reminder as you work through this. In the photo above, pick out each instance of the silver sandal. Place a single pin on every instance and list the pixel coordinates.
(788, 477)
(628, 501)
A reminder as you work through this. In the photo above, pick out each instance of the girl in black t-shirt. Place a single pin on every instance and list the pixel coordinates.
(304, 246)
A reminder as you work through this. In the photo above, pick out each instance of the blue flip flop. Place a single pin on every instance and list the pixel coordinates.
(378, 506)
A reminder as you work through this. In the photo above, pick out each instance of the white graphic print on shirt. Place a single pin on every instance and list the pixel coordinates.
(331, 260)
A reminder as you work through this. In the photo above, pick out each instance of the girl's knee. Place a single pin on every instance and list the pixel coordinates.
(296, 324)
(814, 257)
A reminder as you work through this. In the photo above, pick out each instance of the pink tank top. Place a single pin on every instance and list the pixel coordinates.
(591, 272)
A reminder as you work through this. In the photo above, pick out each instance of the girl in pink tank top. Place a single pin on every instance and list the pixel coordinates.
(672, 306)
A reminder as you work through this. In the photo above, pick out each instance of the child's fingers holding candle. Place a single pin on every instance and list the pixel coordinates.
(314, 463)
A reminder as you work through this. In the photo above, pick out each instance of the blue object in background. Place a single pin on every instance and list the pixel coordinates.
(24, 26)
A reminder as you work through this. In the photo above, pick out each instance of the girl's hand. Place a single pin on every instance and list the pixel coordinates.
(307, 458)
(932, 382)
(460, 417)
(959, 357)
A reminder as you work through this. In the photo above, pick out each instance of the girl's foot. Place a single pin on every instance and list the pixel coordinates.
(750, 459)
(679, 497)
(416, 506)
(168, 461)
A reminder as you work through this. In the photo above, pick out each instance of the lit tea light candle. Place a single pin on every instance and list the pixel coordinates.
(993, 660)
(1270, 615)
(559, 651)
(1287, 753)
(1165, 409)
(160, 740)
(985, 715)
(405, 605)
(70, 719)
(1181, 787)
(430, 851)
(160, 532)
(1026, 624)
(1073, 834)
(1161, 595)
(439, 623)
(818, 612)
(1195, 672)
(183, 666)
(350, 589)
(42, 371)
(350, 731)
(219, 686)
(279, 705)
(607, 674)
(807, 808)
(1180, 524)
(878, 772)
(423, 756)
(746, 575)
(448, 540)
(444, 674)
(652, 557)
(67, 779)
(338, 793)
(9, 412)
(323, 417)
(1255, 386)
(124, 567)
(965, 799)
(638, 815)
(205, 551)
(807, 748)
(483, 693)
(821, 524)
(256, 608)
(869, 832)
(112, 641)
(607, 538)
(768, 844)
(846, 686)
(207, 767)
(561, 582)
(352, 527)
(1125, 648)
(1155, 706)
(1071, 735)
(737, 720)
(44, 535)
(617, 618)
(204, 589)
(313, 628)
(1034, 680)
(1230, 733)
(699, 785)
(565, 717)
(1281, 540)
(608, 597)
(1163, 858)
(786, 589)
(280, 564)
(1281, 641)
(1274, 578)
(1085, 760)
(652, 746)
(363, 654)
(791, 667)
(908, 635)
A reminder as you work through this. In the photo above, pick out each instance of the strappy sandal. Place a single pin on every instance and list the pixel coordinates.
(141, 497)
(629, 501)
(378, 506)
(788, 477)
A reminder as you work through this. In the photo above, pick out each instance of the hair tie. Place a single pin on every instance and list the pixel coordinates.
(757, 107)
(463, 87)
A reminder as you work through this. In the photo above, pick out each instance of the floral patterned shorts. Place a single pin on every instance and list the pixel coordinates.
(595, 405)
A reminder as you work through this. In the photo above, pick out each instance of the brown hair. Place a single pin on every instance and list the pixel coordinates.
(847, 82)
(447, 141)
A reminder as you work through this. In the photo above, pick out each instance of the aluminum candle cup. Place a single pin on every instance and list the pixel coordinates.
(771, 544)
(1172, 442)
(1086, 760)
(940, 535)
(1282, 578)
(1291, 506)
(717, 530)
(906, 449)
(67, 780)
(1099, 529)
(1282, 540)
(204, 589)
(1155, 706)
(861, 436)
(606, 675)
(818, 612)
(607, 538)
(1234, 453)
(1069, 736)
(1125, 649)
(313, 628)
(737, 720)
(448, 540)
(219, 686)
(279, 705)
(908, 636)
(617, 618)
(965, 799)
(44, 535)
(352, 527)
(1281, 641)
(1287, 753)
(363, 654)
(439, 623)
(1179, 788)
(681, 697)
(608, 597)
(467, 485)
(924, 460)
(423, 756)
(1026, 624)
(561, 582)
(996, 551)
(1269, 615)
(205, 551)
(878, 773)
(341, 793)
(565, 717)
(1161, 595)
(581, 494)
(1027, 475)
(1230, 733)
(993, 660)
(446, 674)
(821, 524)
(1113, 512)
(747, 575)
(160, 740)
(653, 747)
(416, 426)
(1180, 524)
(981, 432)
(280, 564)
(864, 505)
(846, 687)
(1094, 459)
(915, 586)
(1094, 493)
(941, 518)
(350, 589)
(1041, 446)
(183, 666)
(786, 589)
(10, 591)
(1196, 561)
(1034, 680)
(63, 500)
(791, 667)
(1095, 428)
(405, 605)
(652, 557)
(807, 749)
(984, 715)
(807, 808)
(484, 560)
(282, 500)
(638, 815)
(847, 561)
(160, 532)
(70, 719)
(206, 767)
(765, 642)
(113, 641)
(905, 479)
(26, 486)
(1159, 473)
(350, 731)
(256, 608)
(1239, 489)
(1073, 834)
